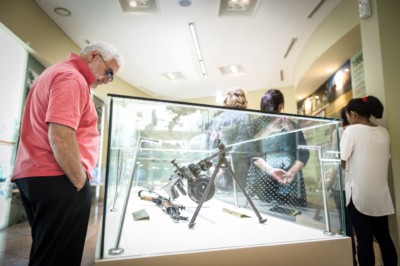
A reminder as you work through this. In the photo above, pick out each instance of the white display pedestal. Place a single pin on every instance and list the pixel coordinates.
(219, 238)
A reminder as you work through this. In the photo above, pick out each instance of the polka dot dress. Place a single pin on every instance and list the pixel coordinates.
(278, 146)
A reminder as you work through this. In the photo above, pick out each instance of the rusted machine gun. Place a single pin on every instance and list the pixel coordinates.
(196, 181)
(206, 191)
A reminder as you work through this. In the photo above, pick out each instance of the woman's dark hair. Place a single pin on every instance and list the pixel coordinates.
(366, 107)
(343, 116)
(271, 100)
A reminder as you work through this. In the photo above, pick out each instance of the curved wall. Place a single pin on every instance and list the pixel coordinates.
(334, 42)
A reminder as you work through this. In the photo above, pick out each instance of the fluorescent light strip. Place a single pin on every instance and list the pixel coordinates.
(196, 45)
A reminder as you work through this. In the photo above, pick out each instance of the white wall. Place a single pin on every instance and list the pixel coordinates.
(12, 68)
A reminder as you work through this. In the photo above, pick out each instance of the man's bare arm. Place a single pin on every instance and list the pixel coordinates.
(66, 151)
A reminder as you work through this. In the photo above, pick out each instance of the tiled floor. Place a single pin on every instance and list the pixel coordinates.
(15, 241)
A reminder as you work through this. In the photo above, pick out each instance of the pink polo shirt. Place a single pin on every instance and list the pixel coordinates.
(61, 95)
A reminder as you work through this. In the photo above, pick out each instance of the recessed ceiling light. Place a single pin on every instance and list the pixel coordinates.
(234, 69)
(139, 3)
(185, 3)
(139, 6)
(238, 7)
(62, 11)
(231, 70)
(173, 76)
(133, 3)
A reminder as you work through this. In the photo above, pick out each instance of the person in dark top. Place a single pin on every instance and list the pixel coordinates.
(275, 174)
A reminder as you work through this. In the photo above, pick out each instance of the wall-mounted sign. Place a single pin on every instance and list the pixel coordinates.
(358, 77)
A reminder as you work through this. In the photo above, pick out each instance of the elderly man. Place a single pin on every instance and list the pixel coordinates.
(57, 151)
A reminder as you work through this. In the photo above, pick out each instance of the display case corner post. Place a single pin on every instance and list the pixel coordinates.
(117, 250)
(106, 179)
(328, 230)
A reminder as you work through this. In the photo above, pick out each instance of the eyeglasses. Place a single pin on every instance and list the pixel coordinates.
(109, 72)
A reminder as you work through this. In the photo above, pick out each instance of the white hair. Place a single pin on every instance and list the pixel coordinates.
(107, 51)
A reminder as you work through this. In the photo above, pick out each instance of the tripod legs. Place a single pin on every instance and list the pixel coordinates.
(260, 219)
(222, 160)
(192, 221)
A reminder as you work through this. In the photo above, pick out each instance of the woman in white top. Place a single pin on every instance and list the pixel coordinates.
(365, 157)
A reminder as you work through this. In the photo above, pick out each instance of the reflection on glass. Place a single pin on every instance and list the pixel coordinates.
(187, 135)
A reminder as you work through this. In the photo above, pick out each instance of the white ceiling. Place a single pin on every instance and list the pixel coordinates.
(161, 42)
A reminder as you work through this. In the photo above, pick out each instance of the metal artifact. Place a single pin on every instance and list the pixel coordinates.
(208, 190)
(173, 210)
(196, 181)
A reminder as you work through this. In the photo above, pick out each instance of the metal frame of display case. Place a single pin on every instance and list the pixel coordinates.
(133, 120)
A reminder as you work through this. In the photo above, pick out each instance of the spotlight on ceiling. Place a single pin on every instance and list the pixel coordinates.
(139, 7)
(62, 11)
(185, 3)
(245, 8)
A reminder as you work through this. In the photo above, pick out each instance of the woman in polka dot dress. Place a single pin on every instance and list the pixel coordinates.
(275, 175)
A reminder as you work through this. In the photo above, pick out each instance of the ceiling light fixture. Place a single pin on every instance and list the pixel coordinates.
(238, 5)
(173, 76)
(62, 11)
(139, 7)
(244, 8)
(234, 69)
(132, 3)
(138, 3)
(198, 51)
(231, 70)
(185, 3)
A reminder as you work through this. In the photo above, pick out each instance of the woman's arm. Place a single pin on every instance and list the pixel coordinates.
(291, 173)
(276, 173)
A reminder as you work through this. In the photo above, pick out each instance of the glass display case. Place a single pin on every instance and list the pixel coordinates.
(187, 179)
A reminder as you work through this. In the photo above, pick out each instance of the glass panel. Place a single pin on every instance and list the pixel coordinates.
(161, 150)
